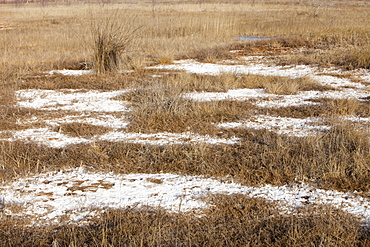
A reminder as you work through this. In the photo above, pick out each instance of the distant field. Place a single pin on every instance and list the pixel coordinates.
(185, 123)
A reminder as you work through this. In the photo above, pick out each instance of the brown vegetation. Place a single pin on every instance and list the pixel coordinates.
(40, 38)
(233, 221)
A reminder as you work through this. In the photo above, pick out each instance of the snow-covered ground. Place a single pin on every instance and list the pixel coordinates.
(77, 193)
(281, 125)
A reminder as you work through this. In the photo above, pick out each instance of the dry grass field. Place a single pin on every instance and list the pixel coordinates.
(259, 109)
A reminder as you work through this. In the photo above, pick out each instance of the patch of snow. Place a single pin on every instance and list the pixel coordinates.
(44, 136)
(191, 66)
(357, 119)
(70, 72)
(71, 100)
(165, 138)
(337, 82)
(274, 100)
(281, 125)
(258, 68)
(108, 121)
(76, 193)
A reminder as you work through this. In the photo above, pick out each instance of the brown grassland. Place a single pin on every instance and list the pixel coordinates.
(35, 38)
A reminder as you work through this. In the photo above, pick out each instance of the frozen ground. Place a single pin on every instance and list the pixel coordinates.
(76, 193)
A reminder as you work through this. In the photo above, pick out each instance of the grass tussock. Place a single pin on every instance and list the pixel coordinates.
(112, 37)
(232, 221)
(163, 107)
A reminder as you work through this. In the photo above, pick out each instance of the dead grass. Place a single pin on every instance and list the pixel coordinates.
(209, 55)
(163, 108)
(81, 129)
(233, 221)
(42, 37)
(326, 108)
(57, 37)
(283, 85)
(114, 81)
(112, 38)
(337, 159)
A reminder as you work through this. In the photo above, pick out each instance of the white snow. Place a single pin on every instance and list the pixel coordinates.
(338, 82)
(192, 66)
(281, 125)
(71, 100)
(165, 138)
(77, 193)
(70, 72)
(104, 120)
(273, 100)
(47, 137)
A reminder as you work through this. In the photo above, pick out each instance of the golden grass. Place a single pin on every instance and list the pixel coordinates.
(43, 37)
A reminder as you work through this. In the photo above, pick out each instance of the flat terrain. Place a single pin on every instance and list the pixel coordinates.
(209, 124)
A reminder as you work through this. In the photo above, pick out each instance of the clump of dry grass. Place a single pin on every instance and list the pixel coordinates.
(232, 221)
(112, 37)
